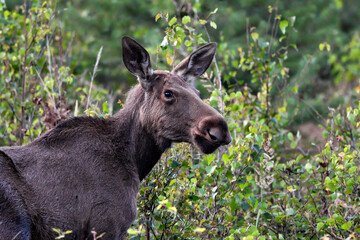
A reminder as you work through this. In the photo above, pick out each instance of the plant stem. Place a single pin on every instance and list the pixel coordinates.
(218, 74)
(23, 82)
(93, 75)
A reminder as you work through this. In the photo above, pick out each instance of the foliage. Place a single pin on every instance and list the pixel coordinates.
(254, 190)
(37, 88)
(266, 184)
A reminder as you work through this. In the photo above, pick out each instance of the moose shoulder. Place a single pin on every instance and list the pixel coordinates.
(85, 173)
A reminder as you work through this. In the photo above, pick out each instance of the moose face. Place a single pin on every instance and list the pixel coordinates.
(172, 110)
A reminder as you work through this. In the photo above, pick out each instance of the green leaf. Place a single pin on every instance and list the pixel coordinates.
(187, 43)
(172, 182)
(290, 136)
(308, 167)
(56, 230)
(226, 158)
(319, 226)
(283, 25)
(294, 46)
(339, 3)
(172, 21)
(346, 226)
(105, 107)
(213, 25)
(290, 211)
(292, 20)
(210, 169)
(213, 12)
(6, 14)
(186, 19)
(352, 169)
(331, 185)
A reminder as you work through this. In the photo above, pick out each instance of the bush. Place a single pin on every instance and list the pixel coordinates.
(263, 186)
(37, 89)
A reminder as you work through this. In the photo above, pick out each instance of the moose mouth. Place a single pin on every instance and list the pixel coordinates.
(205, 145)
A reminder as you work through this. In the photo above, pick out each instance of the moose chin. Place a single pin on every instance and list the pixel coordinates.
(85, 173)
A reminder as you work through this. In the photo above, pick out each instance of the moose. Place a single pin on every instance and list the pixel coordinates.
(85, 173)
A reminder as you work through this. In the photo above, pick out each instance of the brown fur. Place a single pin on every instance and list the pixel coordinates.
(85, 173)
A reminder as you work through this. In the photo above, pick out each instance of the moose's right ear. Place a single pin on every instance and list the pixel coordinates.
(137, 61)
(197, 63)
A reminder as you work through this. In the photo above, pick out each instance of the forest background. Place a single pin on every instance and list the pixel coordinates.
(286, 77)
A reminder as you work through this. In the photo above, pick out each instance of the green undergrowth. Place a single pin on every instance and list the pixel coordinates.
(264, 185)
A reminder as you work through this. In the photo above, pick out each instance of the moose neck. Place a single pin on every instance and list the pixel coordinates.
(144, 147)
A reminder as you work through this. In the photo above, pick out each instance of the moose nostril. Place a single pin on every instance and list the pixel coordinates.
(214, 134)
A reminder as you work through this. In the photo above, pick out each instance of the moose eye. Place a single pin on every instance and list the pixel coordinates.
(168, 94)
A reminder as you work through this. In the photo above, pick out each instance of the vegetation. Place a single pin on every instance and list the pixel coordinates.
(277, 66)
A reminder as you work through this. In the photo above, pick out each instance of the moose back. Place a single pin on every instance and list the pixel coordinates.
(85, 173)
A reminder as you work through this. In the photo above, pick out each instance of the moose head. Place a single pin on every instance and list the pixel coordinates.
(172, 109)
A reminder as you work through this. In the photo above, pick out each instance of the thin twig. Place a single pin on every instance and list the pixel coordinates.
(68, 49)
(267, 25)
(332, 131)
(311, 223)
(247, 34)
(93, 75)
(273, 27)
(47, 90)
(23, 77)
(218, 74)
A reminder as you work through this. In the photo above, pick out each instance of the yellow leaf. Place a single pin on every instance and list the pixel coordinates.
(157, 17)
(291, 190)
(282, 109)
(132, 231)
(328, 47)
(324, 46)
(199, 230)
(101, 235)
(326, 237)
(254, 36)
(168, 59)
(172, 209)
(282, 72)
(357, 89)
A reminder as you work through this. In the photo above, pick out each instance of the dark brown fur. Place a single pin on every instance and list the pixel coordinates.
(85, 173)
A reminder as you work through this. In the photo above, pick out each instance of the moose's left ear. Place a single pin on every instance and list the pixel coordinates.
(197, 63)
